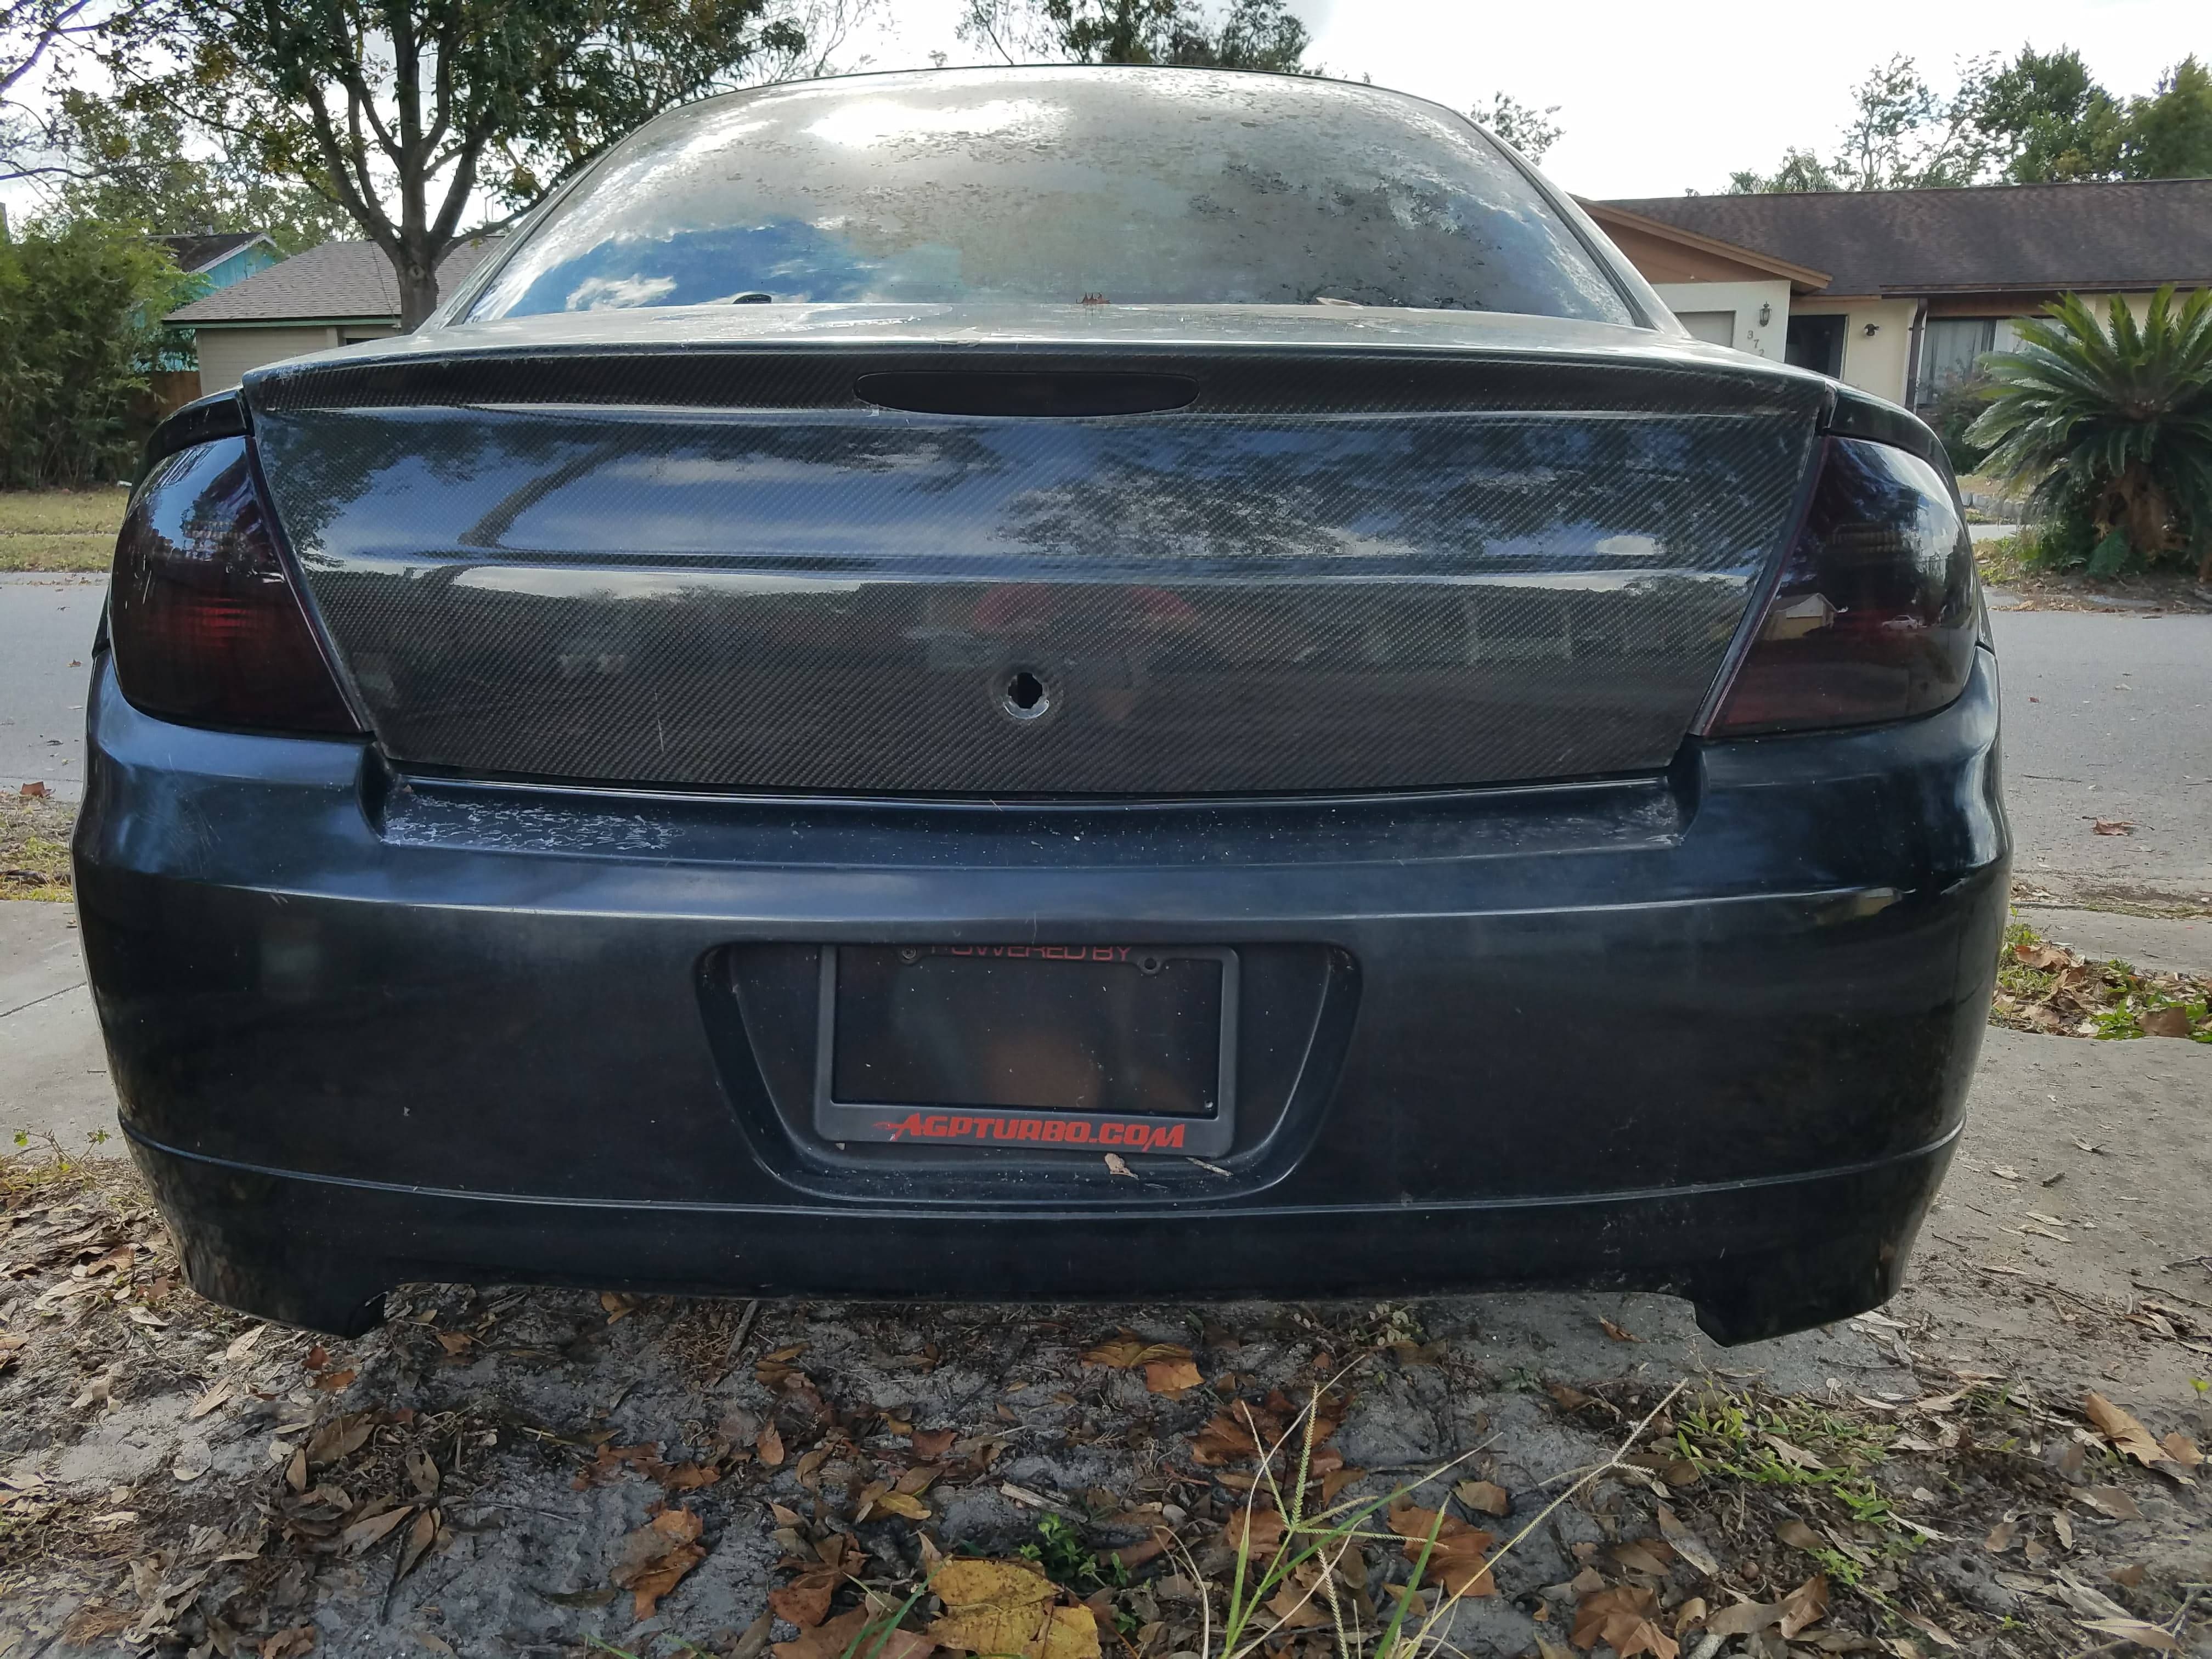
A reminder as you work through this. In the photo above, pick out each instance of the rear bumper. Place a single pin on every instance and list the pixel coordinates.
(1710, 1033)
(1757, 1258)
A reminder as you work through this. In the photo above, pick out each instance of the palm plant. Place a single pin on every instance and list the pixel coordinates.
(2112, 426)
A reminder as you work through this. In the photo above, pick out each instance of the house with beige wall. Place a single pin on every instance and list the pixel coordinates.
(330, 295)
(1900, 292)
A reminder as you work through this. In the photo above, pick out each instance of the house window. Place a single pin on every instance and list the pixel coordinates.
(1815, 343)
(1714, 327)
(1949, 350)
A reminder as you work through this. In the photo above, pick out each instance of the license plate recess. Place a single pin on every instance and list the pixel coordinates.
(1035, 1048)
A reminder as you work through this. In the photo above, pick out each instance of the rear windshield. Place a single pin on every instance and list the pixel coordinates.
(1122, 187)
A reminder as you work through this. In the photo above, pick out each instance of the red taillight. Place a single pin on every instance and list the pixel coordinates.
(207, 626)
(1874, 618)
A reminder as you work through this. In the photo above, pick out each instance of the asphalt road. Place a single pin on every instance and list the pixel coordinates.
(46, 623)
(2109, 717)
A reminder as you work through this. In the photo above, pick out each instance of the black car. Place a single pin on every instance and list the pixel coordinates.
(1057, 682)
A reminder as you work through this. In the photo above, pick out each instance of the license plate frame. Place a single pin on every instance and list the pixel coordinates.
(1032, 1129)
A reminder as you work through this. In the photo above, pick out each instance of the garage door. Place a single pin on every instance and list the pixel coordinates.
(1716, 327)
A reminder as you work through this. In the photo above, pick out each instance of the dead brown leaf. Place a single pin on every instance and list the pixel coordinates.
(2170, 1021)
(1254, 1531)
(417, 1545)
(1484, 1496)
(933, 1444)
(1687, 1544)
(1459, 1558)
(210, 1400)
(2112, 1501)
(2181, 1449)
(1799, 1536)
(1803, 1607)
(341, 1437)
(1336, 1480)
(962, 1583)
(905, 1504)
(1616, 1333)
(1625, 1618)
(2120, 1427)
(285, 1644)
(364, 1534)
(1171, 1376)
(2136, 1630)
(2111, 827)
(1928, 1627)
(1223, 1440)
(858, 1634)
(1806, 1605)
(655, 1557)
(805, 1601)
(1114, 1165)
(1005, 1607)
(1293, 1605)
(1790, 1453)
(1128, 1351)
(768, 1446)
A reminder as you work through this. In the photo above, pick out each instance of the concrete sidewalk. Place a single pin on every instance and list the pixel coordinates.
(53, 1080)
(46, 625)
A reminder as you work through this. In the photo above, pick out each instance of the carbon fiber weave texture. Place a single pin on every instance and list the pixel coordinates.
(810, 595)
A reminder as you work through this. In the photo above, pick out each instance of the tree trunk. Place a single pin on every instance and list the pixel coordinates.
(2134, 503)
(417, 272)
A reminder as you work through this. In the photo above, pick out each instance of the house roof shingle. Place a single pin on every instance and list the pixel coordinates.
(2024, 238)
(197, 253)
(337, 282)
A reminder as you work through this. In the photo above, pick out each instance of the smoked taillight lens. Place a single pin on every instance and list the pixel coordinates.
(207, 626)
(1873, 618)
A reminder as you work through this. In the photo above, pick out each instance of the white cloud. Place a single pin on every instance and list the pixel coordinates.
(606, 293)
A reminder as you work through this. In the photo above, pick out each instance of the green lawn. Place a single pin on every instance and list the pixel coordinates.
(59, 529)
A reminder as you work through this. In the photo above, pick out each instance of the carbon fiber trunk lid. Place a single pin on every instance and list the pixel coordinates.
(1333, 569)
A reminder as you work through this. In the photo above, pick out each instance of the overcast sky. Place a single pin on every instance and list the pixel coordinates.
(1658, 100)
